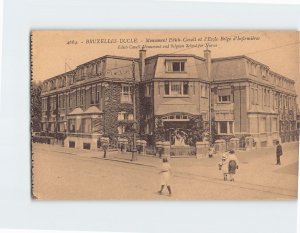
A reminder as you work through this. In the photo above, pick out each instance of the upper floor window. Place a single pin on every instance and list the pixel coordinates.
(224, 98)
(253, 69)
(126, 94)
(176, 66)
(177, 88)
(204, 91)
(224, 94)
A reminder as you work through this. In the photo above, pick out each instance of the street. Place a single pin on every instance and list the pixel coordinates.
(69, 174)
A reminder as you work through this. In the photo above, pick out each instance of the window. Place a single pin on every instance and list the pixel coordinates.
(204, 91)
(71, 125)
(177, 117)
(253, 69)
(148, 90)
(93, 94)
(176, 66)
(177, 88)
(87, 125)
(126, 94)
(253, 96)
(121, 116)
(274, 125)
(262, 125)
(121, 129)
(82, 90)
(98, 94)
(225, 98)
(225, 127)
(130, 117)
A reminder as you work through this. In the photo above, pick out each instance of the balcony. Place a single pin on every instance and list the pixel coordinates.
(223, 112)
(223, 107)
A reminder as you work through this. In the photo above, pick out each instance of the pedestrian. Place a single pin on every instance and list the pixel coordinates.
(105, 144)
(232, 162)
(278, 152)
(104, 147)
(211, 151)
(224, 166)
(165, 176)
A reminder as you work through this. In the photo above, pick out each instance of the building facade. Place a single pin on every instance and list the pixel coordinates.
(176, 95)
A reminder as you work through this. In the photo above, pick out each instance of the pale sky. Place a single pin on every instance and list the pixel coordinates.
(278, 50)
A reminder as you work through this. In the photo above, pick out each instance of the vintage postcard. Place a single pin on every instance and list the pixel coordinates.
(165, 115)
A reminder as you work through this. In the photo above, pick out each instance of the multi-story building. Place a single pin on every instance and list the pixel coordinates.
(250, 99)
(92, 100)
(237, 95)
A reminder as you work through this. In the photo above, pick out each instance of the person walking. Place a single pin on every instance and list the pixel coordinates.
(229, 164)
(232, 162)
(211, 151)
(165, 176)
(105, 143)
(278, 153)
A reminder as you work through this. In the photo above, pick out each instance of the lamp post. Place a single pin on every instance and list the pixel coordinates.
(134, 150)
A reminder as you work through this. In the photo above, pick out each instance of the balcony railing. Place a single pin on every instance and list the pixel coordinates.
(223, 107)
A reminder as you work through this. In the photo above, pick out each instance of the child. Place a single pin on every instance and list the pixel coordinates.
(223, 165)
(165, 176)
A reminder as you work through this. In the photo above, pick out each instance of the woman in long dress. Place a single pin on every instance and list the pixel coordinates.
(165, 176)
(232, 162)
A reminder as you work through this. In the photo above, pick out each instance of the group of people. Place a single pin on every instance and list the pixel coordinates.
(229, 164)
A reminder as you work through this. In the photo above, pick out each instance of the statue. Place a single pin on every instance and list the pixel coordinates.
(179, 139)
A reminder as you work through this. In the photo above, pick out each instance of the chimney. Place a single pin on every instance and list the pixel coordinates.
(207, 56)
(142, 56)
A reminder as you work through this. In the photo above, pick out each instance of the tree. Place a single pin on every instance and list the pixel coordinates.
(196, 130)
(36, 106)
(159, 131)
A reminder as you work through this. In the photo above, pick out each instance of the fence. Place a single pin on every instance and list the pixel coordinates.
(183, 151)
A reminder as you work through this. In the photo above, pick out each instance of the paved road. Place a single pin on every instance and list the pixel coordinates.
(63, 173)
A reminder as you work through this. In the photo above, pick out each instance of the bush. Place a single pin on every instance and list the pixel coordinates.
(41, 139)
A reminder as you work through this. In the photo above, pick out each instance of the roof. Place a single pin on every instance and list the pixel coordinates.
(175, 55)
(239, 57)
(108, 56)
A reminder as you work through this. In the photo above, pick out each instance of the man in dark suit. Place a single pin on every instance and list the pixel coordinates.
(278, 152)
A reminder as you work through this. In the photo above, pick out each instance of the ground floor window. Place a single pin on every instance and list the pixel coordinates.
(87, 125)
(72, 125)
(225, 127)
(62, 127)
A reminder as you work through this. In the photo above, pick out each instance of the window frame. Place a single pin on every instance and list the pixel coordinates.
(170, 66)
(127, 93)
(229, 127)
(170, 87)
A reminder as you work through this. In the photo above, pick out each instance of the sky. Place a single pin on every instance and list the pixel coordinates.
(54, 52)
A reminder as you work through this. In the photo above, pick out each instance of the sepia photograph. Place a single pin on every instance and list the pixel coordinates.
(164, 115)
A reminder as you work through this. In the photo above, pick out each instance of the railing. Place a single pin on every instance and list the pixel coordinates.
(223, 107)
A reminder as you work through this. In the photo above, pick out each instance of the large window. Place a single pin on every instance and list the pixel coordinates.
(176, 66)
(86, 125)
(225, 127)
(72, 125)
(176, 88)
(126, 94)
